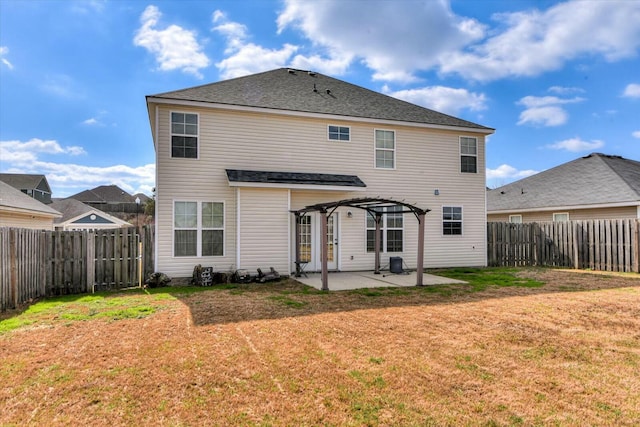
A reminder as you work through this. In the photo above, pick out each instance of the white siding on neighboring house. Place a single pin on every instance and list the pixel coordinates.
(19, 220)
(264, 229)
(426, 160)
(574, 214)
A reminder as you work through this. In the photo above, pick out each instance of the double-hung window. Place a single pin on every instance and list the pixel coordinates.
(391, 230)
(451, 220)
(385, 149)
(339, 133)
(198, 229)
(184, 135)
(468, 154)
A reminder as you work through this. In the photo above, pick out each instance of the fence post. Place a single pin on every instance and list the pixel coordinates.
(576, 261)
(90, 261)
(635, 235)
(13, 262)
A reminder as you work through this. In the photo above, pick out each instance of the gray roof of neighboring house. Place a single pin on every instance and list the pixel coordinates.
(104, 194)
(71, 208)
(24, 181)
(293, 90)
(297, 178)
(11, 197)
(590, 180)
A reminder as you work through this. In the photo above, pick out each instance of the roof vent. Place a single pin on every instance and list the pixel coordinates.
(291, 71)
(315, 89)
(328, 91)
(312, 73)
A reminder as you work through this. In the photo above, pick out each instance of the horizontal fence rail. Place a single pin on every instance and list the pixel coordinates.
(607, 245)
(39, 263)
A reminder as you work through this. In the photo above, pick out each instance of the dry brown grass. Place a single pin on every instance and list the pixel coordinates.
(567, 353)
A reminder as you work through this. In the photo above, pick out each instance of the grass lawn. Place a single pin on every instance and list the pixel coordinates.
(512, 347)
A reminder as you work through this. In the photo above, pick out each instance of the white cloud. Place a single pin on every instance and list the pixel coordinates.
(506, 172)
(246, 57)
(91, 122)
(636, 134)
(174, 47)
(15, 149)
(632, 91)
(440, 98)
(4, 51)
(62, 85)
(69, 178)
(562, 90)
(392, 38)
(538, 41)
(576, 145)
(545, 110)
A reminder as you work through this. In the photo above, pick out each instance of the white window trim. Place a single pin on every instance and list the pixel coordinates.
(384, 229)
(515, 216)
(171, 134)
(468, 155)
(560, 213)
(338, 140)
(394, 150)
(198, 228)
(461, 220)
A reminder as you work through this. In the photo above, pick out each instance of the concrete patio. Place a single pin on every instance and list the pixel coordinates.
(341, 281)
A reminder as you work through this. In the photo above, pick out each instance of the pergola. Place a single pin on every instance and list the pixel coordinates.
(375, 206)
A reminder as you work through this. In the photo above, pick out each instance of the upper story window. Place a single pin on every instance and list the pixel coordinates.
(339, 133)
(385, 149)
(468, 154)
(184, 135)
(561, 217)
(451, 220)
(515, 219)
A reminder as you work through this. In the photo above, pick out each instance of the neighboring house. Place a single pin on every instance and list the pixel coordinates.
(21, 211)
(78, 216)
(235, 158)
(32, 185)
(597, 186)
(108, 198)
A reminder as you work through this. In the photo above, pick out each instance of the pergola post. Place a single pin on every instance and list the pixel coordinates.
(420, 263)
(297, 214)
(378, 218)
(324, 219)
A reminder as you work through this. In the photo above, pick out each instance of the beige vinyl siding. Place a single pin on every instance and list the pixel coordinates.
(426, 160)
(574, 214)
(19, 220)
(264, 229)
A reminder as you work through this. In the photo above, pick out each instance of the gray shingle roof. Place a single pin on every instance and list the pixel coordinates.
(23, 181)
(71, 208)
(11, 197)
(293, 90)
(104, 194)
(593, 179)
(297, 178)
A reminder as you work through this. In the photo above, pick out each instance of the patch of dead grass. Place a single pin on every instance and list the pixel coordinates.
(567, 353)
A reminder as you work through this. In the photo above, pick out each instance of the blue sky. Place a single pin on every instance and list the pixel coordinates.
(557, 80)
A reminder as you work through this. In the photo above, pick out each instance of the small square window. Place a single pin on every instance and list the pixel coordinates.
(339, 133)
(184, 135)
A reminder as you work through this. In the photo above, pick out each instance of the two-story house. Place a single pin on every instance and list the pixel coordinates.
(236, 158)
(33, 185)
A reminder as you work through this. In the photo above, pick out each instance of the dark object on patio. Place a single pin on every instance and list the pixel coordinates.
(265, 277)
(157, 280)
(395, 265)
(241, 276)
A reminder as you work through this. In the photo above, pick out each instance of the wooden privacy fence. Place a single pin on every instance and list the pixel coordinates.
(37, 263)
(607, 245)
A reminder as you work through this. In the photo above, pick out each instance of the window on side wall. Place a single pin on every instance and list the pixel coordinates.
(198, 229)
(391, 230)
(385, 149)
(561, 217)
(184, 135)
(468, 154)
(451, 220)
(515, 219)
(339, 133)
